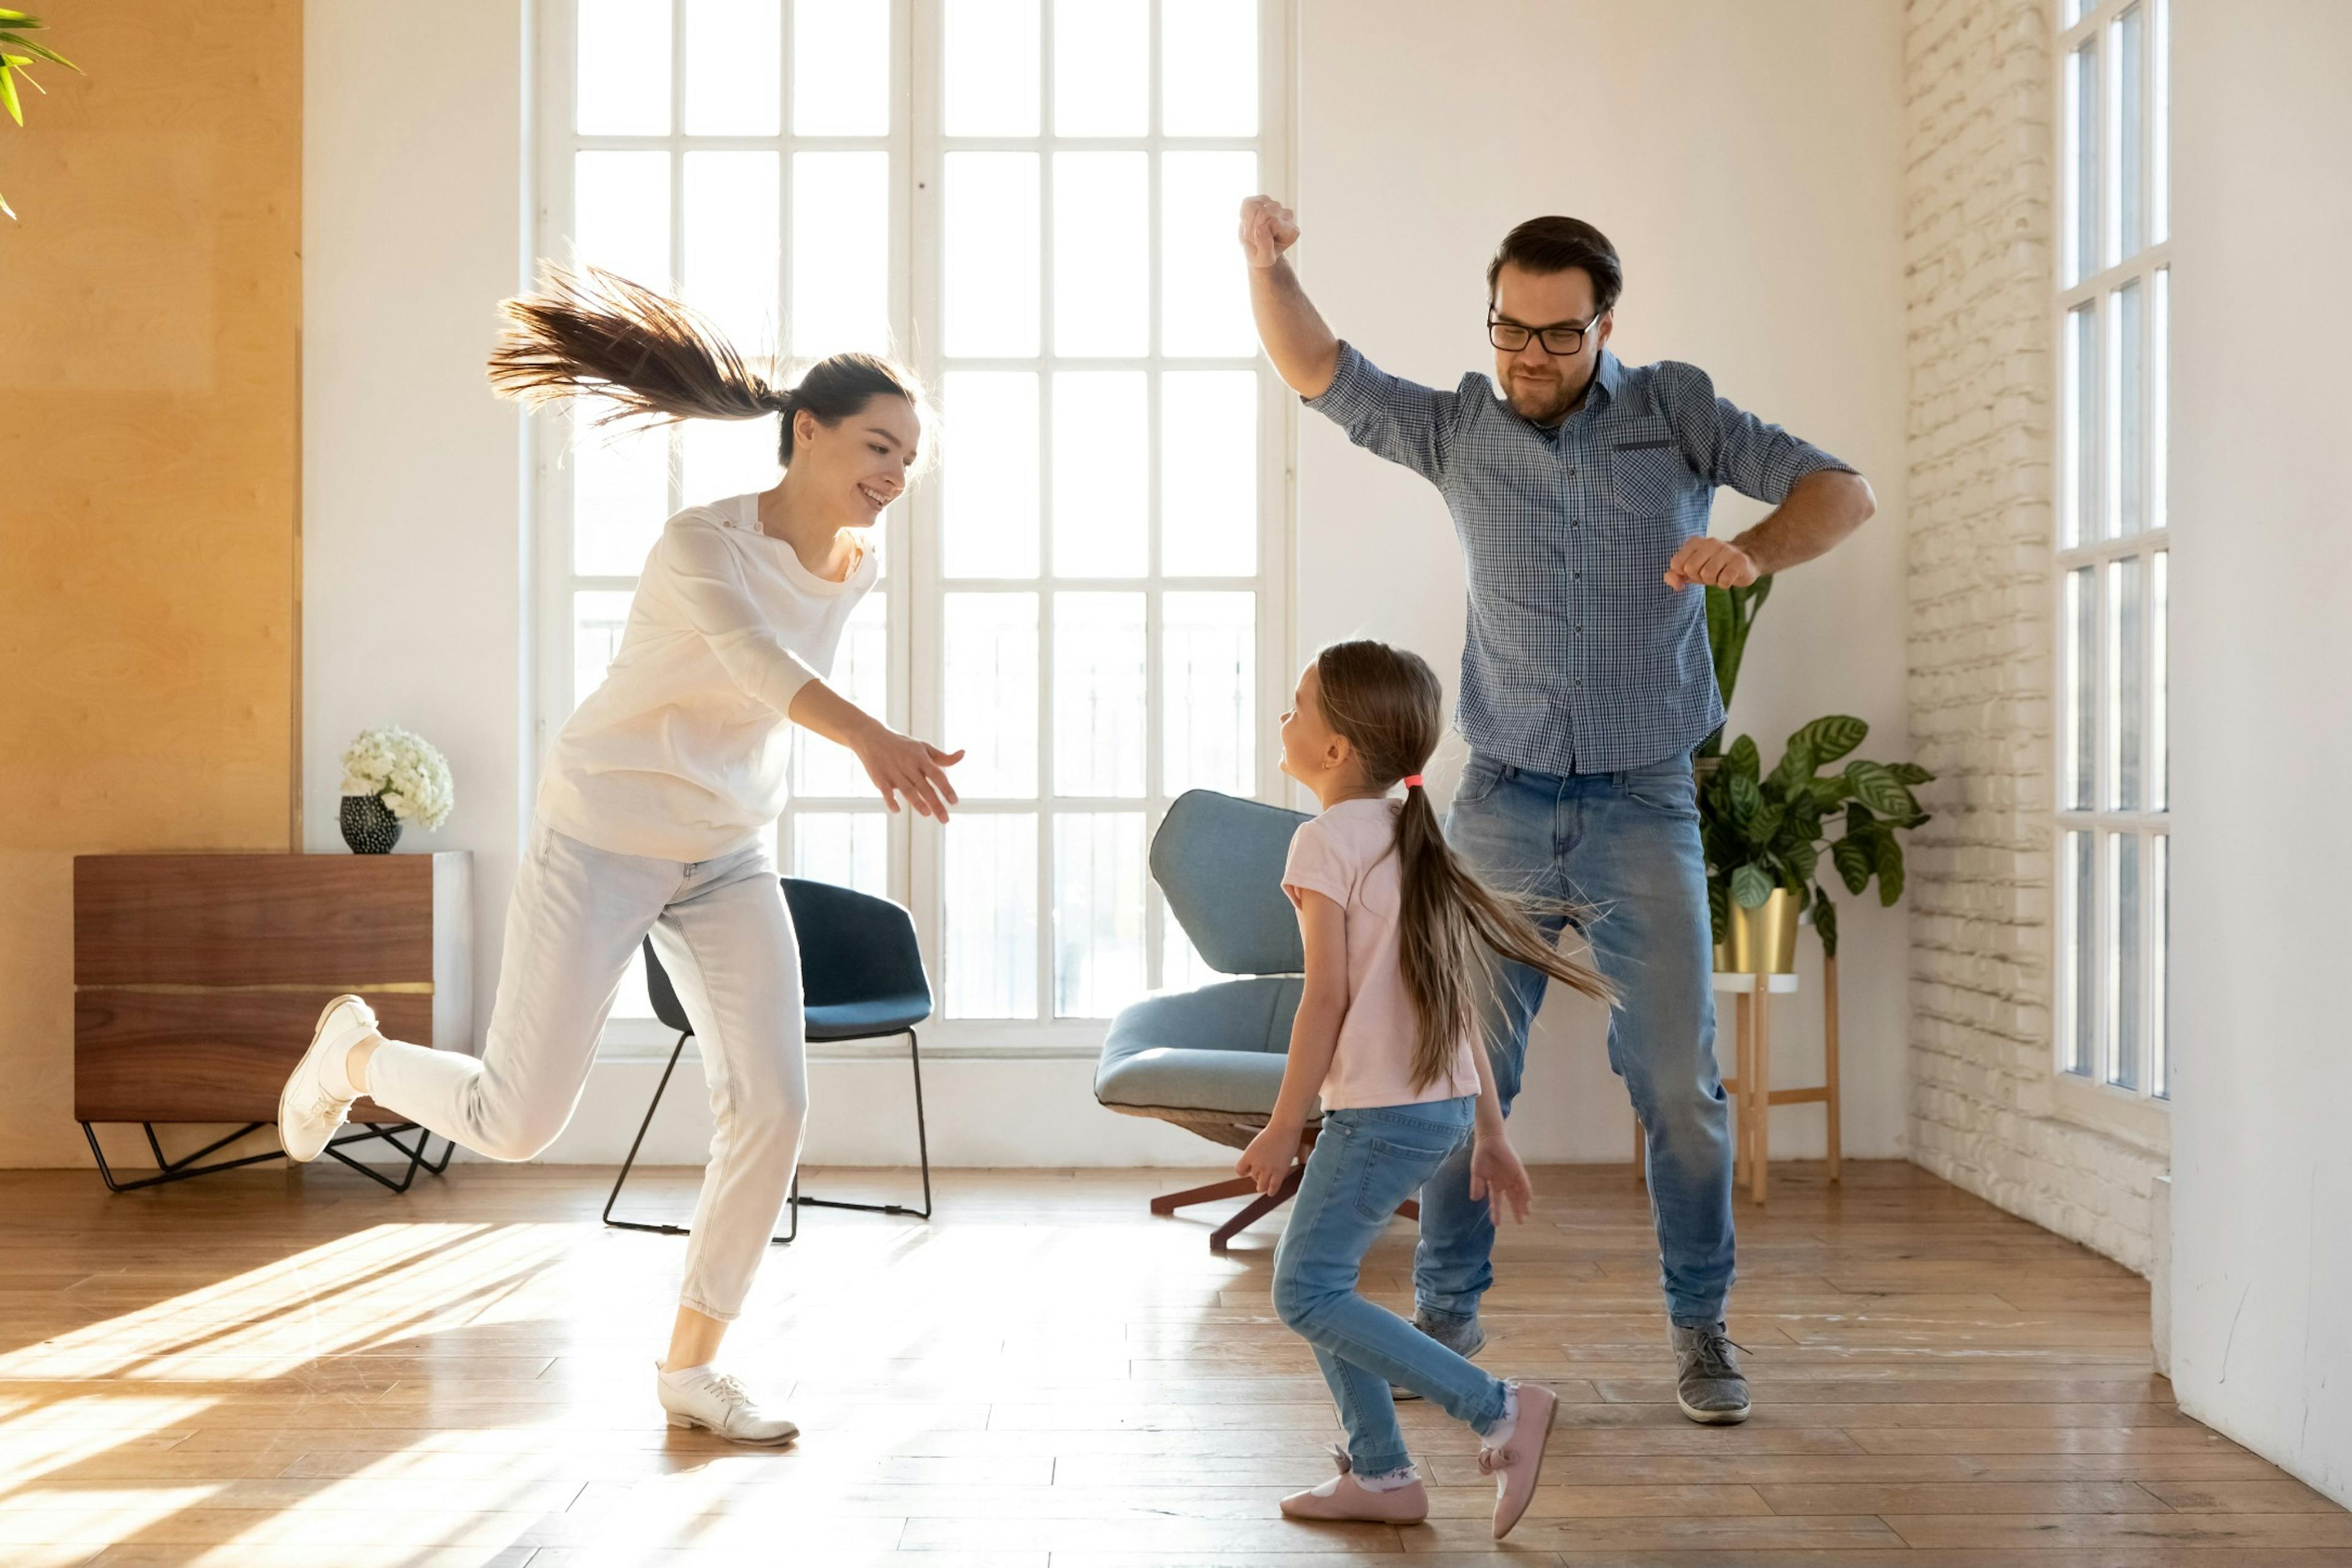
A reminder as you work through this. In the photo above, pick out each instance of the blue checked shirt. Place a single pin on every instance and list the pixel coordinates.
(1579, 657)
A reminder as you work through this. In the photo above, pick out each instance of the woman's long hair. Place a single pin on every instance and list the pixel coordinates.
(653, 360)
(1450, 924)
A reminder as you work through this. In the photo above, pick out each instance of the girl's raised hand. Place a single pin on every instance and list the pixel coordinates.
(903, 765)
(1497, 1175)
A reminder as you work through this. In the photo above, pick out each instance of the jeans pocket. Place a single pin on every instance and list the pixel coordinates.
(1478, 782)
(1671, 788)
(1393, 1172)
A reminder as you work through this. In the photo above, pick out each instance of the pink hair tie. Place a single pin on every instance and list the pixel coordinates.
(1411, 781)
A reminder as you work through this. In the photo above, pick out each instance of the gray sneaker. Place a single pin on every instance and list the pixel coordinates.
(1463, 1336)
(1709, 1383)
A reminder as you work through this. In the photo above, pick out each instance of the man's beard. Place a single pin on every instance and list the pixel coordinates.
(1543, 402)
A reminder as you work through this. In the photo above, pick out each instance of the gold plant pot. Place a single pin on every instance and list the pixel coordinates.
(1761, 941)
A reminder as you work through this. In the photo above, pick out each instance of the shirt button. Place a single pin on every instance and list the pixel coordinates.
(1579, 576)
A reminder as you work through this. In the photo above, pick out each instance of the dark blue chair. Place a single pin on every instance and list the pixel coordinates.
(861, 979)
(1211, 1060)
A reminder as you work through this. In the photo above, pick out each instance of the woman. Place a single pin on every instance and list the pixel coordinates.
(653, 796)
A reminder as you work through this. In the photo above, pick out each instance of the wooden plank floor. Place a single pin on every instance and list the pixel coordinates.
(270, 1368)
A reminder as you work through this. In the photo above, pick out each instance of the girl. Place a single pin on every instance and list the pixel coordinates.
(1397, 933)
(653, 796)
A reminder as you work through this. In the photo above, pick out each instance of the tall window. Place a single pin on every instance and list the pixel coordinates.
(2113, 864)
(1034, 202)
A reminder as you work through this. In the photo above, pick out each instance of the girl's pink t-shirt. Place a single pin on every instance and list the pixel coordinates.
(1349, 856)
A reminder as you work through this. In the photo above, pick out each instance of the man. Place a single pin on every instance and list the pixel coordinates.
(1581, 495)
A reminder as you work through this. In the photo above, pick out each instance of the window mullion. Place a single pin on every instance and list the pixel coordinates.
(1048, 911)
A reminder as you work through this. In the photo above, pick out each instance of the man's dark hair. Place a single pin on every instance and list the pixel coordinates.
(1545, 244)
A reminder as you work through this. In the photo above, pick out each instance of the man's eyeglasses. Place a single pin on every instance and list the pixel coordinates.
(1558, 341)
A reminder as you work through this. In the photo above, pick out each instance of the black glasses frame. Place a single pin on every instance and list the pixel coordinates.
(1497, 329)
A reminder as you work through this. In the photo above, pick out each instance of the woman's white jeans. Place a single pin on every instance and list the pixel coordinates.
(724, 934)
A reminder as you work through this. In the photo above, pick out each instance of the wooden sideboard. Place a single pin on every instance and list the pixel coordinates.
(199, 978)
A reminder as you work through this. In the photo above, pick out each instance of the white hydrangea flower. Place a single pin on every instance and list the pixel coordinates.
(407, 771)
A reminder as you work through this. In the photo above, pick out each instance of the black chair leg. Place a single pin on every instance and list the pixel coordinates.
(614, 1196)
(923, 1151)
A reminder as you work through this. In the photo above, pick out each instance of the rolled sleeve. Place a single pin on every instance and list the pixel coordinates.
(1390, 416)
(700, 569)
(1732, 447)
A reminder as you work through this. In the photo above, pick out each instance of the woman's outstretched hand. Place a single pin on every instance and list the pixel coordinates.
(1497, 1175)
(903, 765)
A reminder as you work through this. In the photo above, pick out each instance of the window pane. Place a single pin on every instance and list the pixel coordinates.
(598, 616)
(2125, 650)
(990, 293)
(734, 53)
(1097, 913)
(2160, 964)
(2079, 745)
(623, 87)
(991, 896)
(2127, 471)
(2078, 951)
(991, 68)
(848, 848)
(632, 1000)
(2159, 394)
(2159, 741)
(840, 253)
(861, 673)
(620, 214)
(2159, 122)
(1203, 293)
(992, 693)
(728, 458)
(1101, 253)
(1208, 81)
(1208, 476)
(620, 493)
(1101, 460)
(1100, 55)
(2131, 133)
(840, 68)
(2124, 961)
(2081, 221)
(732, 245)
(988, 515)
(2079, 436)
(1181, 967)
(1207, 681)
(1098, 698)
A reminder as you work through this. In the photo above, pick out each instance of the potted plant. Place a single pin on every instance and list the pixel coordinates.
(16, 52)
(391, 776)
(1730, 613)
(1764, 834)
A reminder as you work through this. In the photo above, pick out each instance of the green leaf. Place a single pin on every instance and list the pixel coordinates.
(1833, 737)
(1890, 868)
(1910, 773)
(8, 100)
(1742, 761)
(1718, 909)
(20, 18)
(1825, 922)
(1853, 862)
(1802, 858)
(1765, 826)
(1859, 823)
(1747, 800)
(1830, 788)
(1750, 888)
(1796, 770)
(1880, 790)
(17, 40)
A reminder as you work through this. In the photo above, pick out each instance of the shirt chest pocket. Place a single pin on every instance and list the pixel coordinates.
(1647, 475)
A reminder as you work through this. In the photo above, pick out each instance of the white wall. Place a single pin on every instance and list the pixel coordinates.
(1747, 167)
(2262, 1200)
(1745, 162)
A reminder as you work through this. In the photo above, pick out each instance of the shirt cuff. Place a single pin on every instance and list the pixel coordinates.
(1350, 392)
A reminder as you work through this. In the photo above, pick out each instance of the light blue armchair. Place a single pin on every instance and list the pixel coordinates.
(1212, 1059)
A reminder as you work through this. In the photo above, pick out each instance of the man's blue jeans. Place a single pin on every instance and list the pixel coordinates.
(1624, 845)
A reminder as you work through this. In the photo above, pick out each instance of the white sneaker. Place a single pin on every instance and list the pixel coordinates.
(716, 1403)
(308, 1110)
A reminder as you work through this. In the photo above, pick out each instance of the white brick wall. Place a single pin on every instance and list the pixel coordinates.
(1978, 195)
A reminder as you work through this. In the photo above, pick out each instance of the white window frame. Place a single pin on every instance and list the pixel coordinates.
(917, 146)
(2139, 1114)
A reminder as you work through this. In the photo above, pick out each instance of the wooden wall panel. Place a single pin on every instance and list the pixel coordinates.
(149, 483)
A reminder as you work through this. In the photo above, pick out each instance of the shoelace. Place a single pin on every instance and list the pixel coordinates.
(731, 1392)
(1710, 1358)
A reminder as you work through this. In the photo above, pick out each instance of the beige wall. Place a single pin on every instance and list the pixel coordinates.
(149, 317)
